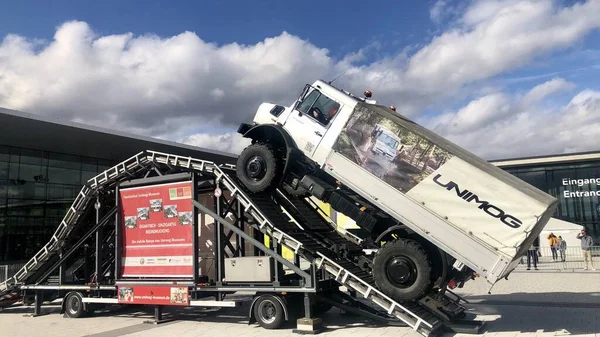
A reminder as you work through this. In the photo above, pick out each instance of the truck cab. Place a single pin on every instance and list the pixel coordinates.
(302, 134)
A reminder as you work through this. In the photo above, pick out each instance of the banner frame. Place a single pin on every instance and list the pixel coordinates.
(119, 237)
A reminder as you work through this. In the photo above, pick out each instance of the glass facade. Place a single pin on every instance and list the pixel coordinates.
(36, 189)
(577, 187)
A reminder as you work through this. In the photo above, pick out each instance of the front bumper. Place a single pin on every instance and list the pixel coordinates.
(243, 128)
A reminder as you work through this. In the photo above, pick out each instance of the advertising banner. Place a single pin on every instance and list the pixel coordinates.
(157, 227)
(389, 151)
(154, 295)
(467, 197)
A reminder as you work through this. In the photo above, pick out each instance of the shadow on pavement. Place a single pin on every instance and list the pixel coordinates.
(562, 313)
(528, 319)
(332, 320)
(553, 299)
(556, 312)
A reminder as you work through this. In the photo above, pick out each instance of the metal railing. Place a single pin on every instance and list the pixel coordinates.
(570, 259)
(8, 270)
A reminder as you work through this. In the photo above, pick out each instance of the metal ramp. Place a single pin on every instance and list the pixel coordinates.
(300, 228)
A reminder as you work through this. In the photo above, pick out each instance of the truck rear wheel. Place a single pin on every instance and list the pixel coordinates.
(402, 270)
(258, 168)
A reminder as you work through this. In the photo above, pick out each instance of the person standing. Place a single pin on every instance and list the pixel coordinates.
(562, 248)
(552, 242)
(586, 246)
(532, 257)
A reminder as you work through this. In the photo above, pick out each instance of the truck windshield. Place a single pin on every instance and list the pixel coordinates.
(389, 141)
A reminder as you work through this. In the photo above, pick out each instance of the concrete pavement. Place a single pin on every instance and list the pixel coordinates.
(528, 304)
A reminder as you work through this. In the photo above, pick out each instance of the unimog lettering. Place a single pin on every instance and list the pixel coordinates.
(486, 206)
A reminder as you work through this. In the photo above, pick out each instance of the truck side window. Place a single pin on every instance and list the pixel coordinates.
(319, 107)
(308, 101)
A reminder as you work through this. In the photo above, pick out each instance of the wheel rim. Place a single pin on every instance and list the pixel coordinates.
(74, 304)
(267, 311)
(401, 271)
(256, 168)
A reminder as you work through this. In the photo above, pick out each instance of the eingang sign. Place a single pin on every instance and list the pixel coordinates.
(580, 183)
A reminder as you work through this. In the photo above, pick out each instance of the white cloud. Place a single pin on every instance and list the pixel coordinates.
(230, 142)
(501, 126)
(437, 12)
(177, 86)
(497, 36)
(477, 114)
(147, 83)
(538, 93)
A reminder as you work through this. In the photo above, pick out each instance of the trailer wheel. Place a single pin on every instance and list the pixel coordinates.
(74, 306)
(268, 312)
(402, 270)
(257, 167)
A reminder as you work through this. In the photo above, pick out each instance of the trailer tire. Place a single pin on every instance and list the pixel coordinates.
(269, 312)
(402, 270)
(74, 307)
(258, 168)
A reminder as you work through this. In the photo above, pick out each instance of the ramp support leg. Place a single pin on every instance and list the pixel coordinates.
(309, 325)
(158, 316)
(37, 309)
(37, 305)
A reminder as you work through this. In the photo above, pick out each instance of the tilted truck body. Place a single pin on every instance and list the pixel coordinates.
(444, 213)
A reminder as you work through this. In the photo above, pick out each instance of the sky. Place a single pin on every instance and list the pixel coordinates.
(502, 79)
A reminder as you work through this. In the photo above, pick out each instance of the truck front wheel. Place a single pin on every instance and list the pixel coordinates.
(402, 270)
(258, 168)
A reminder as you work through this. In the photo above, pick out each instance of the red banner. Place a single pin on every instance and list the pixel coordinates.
(157, 226)
(156, 295)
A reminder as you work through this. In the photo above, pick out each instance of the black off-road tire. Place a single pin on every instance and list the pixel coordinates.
(404, 255)
(258, 168)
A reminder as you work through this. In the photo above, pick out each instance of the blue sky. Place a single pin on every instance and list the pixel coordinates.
(470, 70)
(341, 26)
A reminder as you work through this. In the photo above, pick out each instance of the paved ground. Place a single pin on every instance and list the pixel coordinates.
(528, 304)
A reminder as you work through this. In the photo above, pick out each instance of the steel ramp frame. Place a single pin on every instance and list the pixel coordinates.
(128, 167)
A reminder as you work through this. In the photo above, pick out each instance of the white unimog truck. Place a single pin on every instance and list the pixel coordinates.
(440, 215)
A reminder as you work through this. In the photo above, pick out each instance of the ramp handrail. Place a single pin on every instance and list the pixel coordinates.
(72, 216)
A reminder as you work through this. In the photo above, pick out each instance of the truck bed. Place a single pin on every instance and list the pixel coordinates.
(478, 213)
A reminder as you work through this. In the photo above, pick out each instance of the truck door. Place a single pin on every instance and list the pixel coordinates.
(310, 119)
